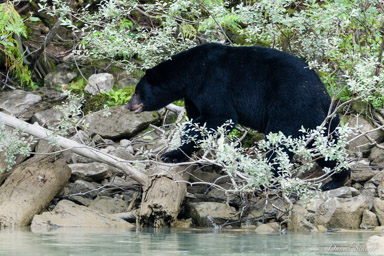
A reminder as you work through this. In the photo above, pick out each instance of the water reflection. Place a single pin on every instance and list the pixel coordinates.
(65, 242)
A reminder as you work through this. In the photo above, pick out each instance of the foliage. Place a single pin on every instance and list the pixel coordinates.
(341, 39)
(77, 86)
(72, 114)
(120, 96)
(12, 24)
(253, 171)
(12, 144)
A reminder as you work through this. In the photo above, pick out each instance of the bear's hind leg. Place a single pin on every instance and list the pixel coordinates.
(338, 179)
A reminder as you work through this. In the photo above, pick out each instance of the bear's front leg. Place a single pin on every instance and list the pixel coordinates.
(174, 156)
(185, 151)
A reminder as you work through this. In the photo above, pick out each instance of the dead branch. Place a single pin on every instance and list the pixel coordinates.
(42, 133)
(46, 41)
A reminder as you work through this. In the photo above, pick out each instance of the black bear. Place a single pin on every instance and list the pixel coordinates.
(264, 89)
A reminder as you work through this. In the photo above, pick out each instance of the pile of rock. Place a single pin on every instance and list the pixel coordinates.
(77, 191)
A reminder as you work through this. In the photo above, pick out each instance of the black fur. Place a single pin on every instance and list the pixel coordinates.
(264, 89)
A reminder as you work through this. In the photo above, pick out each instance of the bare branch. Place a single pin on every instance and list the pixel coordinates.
(42, 133)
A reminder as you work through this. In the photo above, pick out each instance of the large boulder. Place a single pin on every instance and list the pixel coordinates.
(378, 206)
(375, 245)
(362, 171)
(99, 83)
(362, 145)
(341, 213)
(109, 205)
(369, 220)
(83, 188)
(69, 214)
(298, 220)
(93, 171)
(121, 123)
(18, 103)
(377, 155)
(48, 118)
(29, 190)
(60, 78)
(268, 228)
(208, 214)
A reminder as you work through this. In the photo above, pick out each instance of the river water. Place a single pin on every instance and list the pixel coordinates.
(65, 242)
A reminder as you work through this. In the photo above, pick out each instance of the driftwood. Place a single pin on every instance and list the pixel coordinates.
(162, 196)
(30, 188)
(42, 133)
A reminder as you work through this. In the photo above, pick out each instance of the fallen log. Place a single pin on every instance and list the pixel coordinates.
(162, 196)
(81, 149)
(30, 188)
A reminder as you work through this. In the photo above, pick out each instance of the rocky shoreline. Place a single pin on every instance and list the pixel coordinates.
(65, 189)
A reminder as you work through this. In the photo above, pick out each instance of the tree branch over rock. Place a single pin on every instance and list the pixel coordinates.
(42, 133)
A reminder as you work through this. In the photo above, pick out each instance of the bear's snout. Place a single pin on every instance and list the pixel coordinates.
(135, 105)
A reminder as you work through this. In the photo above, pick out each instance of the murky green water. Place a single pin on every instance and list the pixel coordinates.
(177, 242)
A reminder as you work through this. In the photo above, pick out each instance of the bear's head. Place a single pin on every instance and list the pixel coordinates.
(152, 92)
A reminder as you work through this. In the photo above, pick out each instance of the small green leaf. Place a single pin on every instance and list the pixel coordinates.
(34, 19)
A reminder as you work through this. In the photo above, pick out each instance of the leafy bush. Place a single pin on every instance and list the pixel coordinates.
(12, 144)
(341, 39)
(253, 171)
(12, 24)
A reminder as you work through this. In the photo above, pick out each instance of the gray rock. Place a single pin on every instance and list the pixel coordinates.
(269, 209)
(377, 156)
(125, 143)
(380, 188)
(69, 214)
(109, 205)
(79, 200)
(362, 171)
(18, 103)
(122, 184)
(342, 192)
(48, 118)
(92, 171)
(378, 206)
(51, 95)
(182, 223)
(121, 122)
(369, 189)
(219, 195)
(362, 145)
(149, 141)
(99, 83)
(268, 228)
(121, 153)
(376, 180)
(379, 229)
(299, 222)
(369, 220)
(208, 214)
(375, 245)
(59, 78)
(81, 137)
(127, 81)
(341, 213)
(198, 175)
(83, 188)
